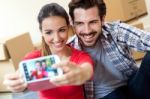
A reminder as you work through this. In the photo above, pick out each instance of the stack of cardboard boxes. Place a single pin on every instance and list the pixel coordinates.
(125, 10)
(12, 51)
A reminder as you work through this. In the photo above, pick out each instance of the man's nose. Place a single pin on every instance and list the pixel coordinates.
(87, 28)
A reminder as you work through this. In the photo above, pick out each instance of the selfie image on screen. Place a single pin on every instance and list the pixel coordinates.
(38, 69)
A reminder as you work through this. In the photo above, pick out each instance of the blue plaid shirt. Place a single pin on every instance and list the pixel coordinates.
(117, 39)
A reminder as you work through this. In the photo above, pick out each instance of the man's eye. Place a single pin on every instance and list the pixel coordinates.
(93, 22)
(62, 30)
(79, 23)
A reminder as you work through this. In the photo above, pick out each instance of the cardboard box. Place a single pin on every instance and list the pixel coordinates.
(138, 55)
(139, 25)
(18, 47)
(125, 10)
(6, 67)
(3, 52)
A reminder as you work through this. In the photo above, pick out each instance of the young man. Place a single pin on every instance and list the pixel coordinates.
(116, 75)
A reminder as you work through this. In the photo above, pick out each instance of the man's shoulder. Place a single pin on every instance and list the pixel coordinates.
(115, 27)
(112, 24)
(116, 24)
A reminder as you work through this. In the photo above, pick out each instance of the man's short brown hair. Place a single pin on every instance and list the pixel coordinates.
(86, 4)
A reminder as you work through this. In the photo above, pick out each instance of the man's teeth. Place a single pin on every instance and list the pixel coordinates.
(88, 36)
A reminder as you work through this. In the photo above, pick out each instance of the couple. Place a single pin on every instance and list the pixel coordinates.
(116, 75)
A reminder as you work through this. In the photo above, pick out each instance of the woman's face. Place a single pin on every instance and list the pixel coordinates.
(55, 33)
(38, 66)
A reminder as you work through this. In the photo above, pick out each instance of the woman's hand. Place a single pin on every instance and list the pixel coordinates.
(73, 74)
(14, 82)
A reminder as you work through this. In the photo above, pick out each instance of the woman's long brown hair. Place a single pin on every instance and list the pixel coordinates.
(45, 48)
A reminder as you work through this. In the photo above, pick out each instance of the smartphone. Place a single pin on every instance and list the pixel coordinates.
(38, 72)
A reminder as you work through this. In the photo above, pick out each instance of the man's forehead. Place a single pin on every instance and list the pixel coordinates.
(85, 14)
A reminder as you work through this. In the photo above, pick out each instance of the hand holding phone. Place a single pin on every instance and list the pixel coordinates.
(38, 71)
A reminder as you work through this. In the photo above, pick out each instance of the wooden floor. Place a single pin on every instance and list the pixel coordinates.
(5, 95)
(23, 95)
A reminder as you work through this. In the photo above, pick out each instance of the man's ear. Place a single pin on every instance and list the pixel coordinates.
(70, 21)
(103, 20)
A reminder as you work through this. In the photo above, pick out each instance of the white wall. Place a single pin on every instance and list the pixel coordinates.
(19, 16)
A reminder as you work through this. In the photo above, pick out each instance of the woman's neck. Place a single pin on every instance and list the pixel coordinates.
(65, 53)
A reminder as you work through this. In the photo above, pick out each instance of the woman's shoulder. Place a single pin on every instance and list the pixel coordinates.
(79, 53)
(79, 56)
(33, 54)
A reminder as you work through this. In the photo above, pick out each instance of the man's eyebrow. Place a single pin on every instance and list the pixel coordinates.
(77, 21)
(94, 20)
(63, 26)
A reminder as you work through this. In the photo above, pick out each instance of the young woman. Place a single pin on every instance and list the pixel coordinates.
(54, 25)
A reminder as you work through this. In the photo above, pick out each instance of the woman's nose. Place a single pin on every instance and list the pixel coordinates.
(56, 37)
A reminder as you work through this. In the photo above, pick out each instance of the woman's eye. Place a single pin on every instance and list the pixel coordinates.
(48, 33)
